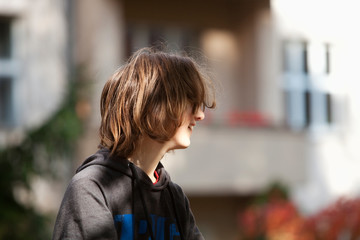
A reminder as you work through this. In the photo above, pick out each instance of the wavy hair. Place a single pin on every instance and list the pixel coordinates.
(147, 96)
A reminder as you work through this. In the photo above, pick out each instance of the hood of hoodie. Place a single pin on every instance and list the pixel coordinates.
(102, 157)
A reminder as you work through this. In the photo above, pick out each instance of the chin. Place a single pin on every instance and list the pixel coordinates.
(181, 146)
(184, 146)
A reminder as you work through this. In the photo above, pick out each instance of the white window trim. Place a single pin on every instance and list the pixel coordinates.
(315, 82)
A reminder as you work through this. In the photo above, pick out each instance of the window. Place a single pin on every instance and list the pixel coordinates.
(306, 71)
(5, 39)
(5, 100)
(6, 76)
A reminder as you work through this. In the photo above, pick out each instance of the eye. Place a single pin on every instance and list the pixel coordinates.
(196, 107)
(193, 110)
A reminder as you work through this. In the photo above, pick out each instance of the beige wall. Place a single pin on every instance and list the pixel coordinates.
(227, 161)
(99, 49)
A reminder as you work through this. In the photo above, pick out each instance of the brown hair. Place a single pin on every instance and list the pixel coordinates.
(147, 96)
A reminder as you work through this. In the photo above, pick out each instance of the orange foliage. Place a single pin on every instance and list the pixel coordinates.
(279, 219)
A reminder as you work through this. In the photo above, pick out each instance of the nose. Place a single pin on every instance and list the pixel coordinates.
(199, 115)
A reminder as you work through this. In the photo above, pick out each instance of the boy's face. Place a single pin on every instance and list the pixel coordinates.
(181, 139)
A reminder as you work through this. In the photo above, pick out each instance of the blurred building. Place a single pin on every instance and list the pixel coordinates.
(34, 73)
(288, 108)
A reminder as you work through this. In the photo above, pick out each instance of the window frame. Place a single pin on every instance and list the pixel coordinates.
(308, 101)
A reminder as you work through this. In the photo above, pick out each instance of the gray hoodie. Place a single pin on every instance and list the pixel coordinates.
(111, 198)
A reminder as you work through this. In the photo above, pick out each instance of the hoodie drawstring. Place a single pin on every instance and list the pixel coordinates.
(148, 220)
(176, 212)
(133, 203)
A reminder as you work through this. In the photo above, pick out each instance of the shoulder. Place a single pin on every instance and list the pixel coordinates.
(92, 181)
(99, 174)
(91, 172)
(90, 176)
(86, 182)
(85, 212)
(100, 182)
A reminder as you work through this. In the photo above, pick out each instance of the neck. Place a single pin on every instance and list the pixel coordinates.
(147, 155)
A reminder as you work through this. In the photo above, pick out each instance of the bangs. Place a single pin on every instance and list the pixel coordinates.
(199, 87)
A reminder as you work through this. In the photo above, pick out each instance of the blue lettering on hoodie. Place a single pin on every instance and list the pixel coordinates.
(163, 228)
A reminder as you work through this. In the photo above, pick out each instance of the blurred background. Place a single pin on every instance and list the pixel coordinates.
(277, 159)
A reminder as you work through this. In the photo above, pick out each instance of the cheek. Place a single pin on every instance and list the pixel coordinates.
(183, 133)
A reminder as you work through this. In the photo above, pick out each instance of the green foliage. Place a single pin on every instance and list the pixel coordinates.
(37, 153)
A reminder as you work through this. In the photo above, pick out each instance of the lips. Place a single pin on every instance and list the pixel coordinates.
(191, 126)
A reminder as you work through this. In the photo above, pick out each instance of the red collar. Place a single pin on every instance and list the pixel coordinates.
(156, 176)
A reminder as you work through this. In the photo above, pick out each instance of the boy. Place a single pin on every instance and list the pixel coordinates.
(148, 107)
